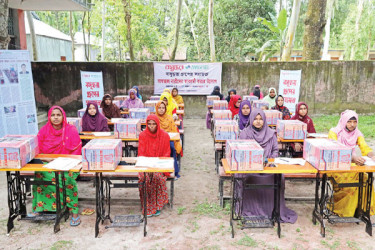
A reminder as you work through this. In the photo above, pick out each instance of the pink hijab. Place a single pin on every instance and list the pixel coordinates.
(63, 141)
(348, 138)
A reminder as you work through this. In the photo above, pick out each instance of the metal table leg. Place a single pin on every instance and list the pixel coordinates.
(277, 203)
(145, 206)
(321, 205)
(232, 206)
(16, 201)
(366, 215)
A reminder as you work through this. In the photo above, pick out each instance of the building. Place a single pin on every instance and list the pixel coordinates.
(93, 47)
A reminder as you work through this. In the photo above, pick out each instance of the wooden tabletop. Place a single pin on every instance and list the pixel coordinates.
(286, 140)
(353, 169)
(279, 169)
(125, 112)
(90, 136)
(112, 123)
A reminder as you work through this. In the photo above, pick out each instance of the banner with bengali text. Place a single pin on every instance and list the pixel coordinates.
(289, 87)
(188, 78)
(92, 87)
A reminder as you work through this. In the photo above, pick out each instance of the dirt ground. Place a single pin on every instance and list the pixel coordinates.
(196, 222)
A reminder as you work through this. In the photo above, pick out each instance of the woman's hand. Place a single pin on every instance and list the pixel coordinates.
(175, 117)
(358, 160)
(298, 147)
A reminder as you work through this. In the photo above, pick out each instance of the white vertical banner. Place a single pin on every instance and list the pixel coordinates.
(92, 87)
(18, 114)
(188, 78)
(289, 87)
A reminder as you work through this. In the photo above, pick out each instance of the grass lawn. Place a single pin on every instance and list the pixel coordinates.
(366, 124)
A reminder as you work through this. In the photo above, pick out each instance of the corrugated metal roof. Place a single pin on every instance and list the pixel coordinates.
(43, 29)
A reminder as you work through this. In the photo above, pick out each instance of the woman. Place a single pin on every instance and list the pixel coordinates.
(260, 202)
(177, 97)
(271, 97)
(92, 120)
(216, 92)
(346, 132)
(57, 137)
(280, 107)
(230, 93)
(133, 101)
(167, 124)
(169, 102)
(154, 142)
(243, 116)
(301, 115)
(138, 95)
(234, 104)
(257, 92)
(110, 110)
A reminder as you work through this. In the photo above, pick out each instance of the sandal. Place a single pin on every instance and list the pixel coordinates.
(75, 221)
(158, 212)
(88, 211)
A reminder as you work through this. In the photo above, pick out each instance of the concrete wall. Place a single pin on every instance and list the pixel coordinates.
(327, 86)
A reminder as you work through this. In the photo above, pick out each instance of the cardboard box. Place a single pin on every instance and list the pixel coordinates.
(139, 113)
(155, 98)
(251, 98)
(121, 98)
(210, 100)
(326, 154)
(127, 128)
(258, 104)
(291, 129)
(76, 122)
(81, 112)
(244, 155)
(220, 105)
(226, 130)
(117, 103)
(221, 115)
(101, 154)
(273, 116)
(17, 150)
(151, 105)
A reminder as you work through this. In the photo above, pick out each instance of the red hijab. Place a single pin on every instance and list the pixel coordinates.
(154, 144)
(306, 119)
(63, 141)
(233, 100)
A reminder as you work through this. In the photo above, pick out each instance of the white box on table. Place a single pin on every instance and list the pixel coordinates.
(121, 98)
(151, 105)
(226, 130)
(244, 155)
(76, 122)
(251, 98)
(273, 116)
(210, 100)
(127, 128)
(291, 129)
(221, 115)
(220, 105)
(101, 154)
(258, 104)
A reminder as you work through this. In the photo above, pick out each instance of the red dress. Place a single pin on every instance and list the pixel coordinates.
(154, 145)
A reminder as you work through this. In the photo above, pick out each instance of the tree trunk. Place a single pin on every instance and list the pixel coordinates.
(193, 30)
(4, 12)
(314, 26)
(330, 6)
(291, 31)
(211, 29)
(126, 4)
(71, 32)
(30, 20)
(178, 18)
(356, 29)
(89, 36)
(103, 32)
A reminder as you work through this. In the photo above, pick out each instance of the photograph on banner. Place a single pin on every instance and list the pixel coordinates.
(17, 101)
(92, 87)
(188, 78)
(289, 87)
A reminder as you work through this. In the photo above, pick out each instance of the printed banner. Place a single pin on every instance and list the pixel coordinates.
(289, 87)
(18, 114)
(92, 87)
(188, 78)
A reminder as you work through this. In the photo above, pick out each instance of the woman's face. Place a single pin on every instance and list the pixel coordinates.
(151, 124)
(161, 109)
(56, 117)
(231, 93)
(92, 110)
(245, 110)
(351, 125)
(258, 122)
(165, 100)
(302, 110)
(272, 93)
(132, 95)
(280, 101)
(238, 103)
(174, 93)
(107, 101)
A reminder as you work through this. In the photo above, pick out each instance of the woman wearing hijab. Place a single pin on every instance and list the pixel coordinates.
(257, 92)
(110, 110)
(243, 115)
(260, 202)
(301, 114)
(216, 92)
(346, 132)
(167, 124)
(177, 97)
(57, 137)
(234, 104)
(280, 107)
(93, 120)
(133, 101)
(271, 97)
(230, 93)
(154, 142)
(171, 104)
(138, 94)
